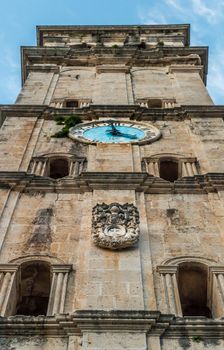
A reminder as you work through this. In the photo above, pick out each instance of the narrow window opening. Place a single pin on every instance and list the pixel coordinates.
(58, 168)
(192, 284)
(168, 170)
(34, 289)
(155, 103)
(72, 103)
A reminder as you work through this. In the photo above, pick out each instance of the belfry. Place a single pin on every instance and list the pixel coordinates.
(112, 194)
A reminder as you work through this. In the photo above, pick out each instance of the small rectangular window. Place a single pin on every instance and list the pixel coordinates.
(72, 104)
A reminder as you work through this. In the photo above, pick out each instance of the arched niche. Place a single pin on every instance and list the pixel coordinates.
(33, 288)
(170, 166)
(192, 280)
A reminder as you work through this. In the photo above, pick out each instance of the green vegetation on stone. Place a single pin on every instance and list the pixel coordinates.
(196, 339)
(68, 122)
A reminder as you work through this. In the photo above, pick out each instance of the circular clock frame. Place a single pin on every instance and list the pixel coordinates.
(151, 133)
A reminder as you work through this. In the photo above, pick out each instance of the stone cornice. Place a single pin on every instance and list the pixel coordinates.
(134, 112)
(185, 28)
(89, 181)
(153, 323)
(127, 55)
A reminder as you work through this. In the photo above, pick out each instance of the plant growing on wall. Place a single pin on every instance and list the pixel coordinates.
(160, 43)
(67, 122)
(196, 339)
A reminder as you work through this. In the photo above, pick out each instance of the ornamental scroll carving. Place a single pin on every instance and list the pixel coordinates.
(115, 226)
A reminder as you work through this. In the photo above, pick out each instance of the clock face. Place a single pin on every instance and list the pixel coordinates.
(113, 131)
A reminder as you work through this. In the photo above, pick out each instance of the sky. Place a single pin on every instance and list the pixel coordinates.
(20, 17)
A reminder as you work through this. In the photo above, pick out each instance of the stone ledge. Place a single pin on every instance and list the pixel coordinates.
(55, 29)
(128, 55)
(152, 323)
(89, 181)
(133, 112)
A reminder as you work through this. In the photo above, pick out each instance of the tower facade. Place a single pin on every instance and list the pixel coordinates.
(111, 194)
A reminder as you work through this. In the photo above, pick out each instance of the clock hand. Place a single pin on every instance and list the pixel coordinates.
(116, 132)
(129, 136)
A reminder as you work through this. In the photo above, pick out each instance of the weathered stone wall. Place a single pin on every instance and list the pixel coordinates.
(93, 35)
(192, 343)
(59, 225)
(188, 224)
(21, 138)
(75, 82)
(36, 343)
(115, 88)
(15, 135)
(35, 88)
(51, 222)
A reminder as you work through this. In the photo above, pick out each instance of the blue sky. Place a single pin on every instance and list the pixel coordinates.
(20, 17)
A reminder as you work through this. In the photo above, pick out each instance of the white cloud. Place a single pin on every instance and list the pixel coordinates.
(207, 22)
(216, 76)
(10, 86)
(210, 14)
(175, 3)
(152, 16)
(9, 59)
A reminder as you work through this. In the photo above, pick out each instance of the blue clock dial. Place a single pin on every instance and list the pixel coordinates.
(114, 131)
(113, 134)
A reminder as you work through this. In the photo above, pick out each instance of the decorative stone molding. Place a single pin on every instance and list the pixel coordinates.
(112, 69)
(133, 112)
(184, 68)
(7, 286)
(216, 274)
(215, 292)
(90, 181)
(60, 102)
(43, 68)
(82, 321)
(188, 166)
(115, 226)
(171, 293)
(151, 102)
(58, 289)
(9, 290)
(177, 260)
(39, 165)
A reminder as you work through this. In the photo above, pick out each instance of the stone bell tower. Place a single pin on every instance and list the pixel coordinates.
(112, 194)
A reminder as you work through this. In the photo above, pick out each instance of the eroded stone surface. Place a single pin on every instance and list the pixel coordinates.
(54, 222)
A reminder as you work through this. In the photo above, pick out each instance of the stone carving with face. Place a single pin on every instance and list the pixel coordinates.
(115, 226)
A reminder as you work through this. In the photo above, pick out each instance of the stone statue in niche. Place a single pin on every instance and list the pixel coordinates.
(115, 226)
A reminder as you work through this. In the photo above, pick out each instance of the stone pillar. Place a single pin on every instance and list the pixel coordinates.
(71, 168)
(33, 166)
(44, 165)
(154, 343)
(188, 167)
(76, 168)
(7, 285)
(194, 168)
(58, 289)
(156, 168)
(39, 167)
(183, 169)
(129, 87)
(216, 293)
(152, 166)
(171, 293)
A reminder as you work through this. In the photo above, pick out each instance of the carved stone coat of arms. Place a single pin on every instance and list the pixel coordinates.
(115, 226)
